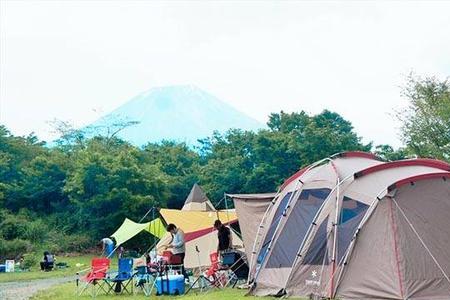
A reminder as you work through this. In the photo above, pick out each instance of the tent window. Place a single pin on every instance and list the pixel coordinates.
(317, 252)
(293, 232)
(276, 219)
(351, 214)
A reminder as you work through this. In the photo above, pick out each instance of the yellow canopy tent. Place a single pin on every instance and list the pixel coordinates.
(129, 229)
(192, 220)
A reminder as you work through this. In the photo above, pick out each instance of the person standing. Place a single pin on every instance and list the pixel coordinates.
(107, 246)
(224, 236)
(178, 246)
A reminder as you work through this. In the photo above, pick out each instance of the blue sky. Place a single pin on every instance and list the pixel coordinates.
(75, 60)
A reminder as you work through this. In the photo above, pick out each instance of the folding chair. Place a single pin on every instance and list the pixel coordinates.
(95, 277)
(143, 280)
(123, 278)
(214, 277)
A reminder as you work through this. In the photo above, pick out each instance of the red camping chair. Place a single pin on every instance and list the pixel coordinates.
(216, 275)
(95, 277)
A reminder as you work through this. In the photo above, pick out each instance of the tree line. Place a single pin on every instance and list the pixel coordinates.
(67, 196)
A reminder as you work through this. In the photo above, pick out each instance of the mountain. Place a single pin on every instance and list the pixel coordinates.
(179, 113)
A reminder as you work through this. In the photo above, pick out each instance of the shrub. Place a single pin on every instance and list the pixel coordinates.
(14, 248)
(36, 231)
(29, 260)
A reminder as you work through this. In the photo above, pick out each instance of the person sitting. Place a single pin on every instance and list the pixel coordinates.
(224, 236)
(48, 262)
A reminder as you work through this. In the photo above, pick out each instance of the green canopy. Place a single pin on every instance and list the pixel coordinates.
(129, 229)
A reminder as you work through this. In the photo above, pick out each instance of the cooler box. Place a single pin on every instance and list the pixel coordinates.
(2, 268)
(174, 286)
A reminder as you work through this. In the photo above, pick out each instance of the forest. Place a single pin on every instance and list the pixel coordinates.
(65, 196)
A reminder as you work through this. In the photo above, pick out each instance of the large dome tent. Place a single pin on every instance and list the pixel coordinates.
(381, 232)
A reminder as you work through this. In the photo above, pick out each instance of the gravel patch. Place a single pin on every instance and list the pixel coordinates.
(23, 290)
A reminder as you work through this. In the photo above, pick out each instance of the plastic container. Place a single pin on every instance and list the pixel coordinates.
(2, 268)
(174, 286)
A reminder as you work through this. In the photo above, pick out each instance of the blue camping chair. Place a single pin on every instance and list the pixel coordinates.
(144, 279)
(124, 276)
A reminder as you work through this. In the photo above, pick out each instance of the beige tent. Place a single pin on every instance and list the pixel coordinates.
(352, 227)
(197, 200)
(250, 209)
(196, 219)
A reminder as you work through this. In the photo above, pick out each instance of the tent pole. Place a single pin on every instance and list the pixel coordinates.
(226, 207)
(275, 236)
(151, 209)
(421, 240)
(272, 203)
(310, 234)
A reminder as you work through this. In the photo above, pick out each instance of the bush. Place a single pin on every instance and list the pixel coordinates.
(29, 260)
(14, 248)
(60, 242)
(36, 231)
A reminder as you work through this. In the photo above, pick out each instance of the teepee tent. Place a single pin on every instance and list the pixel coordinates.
(197, 200)
(357, 228)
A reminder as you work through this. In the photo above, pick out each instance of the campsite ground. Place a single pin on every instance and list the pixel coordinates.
(66, 292)
(36, 273)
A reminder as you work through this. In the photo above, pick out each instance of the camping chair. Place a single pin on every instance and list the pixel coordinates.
(237, 265)
(95, 277)
(144, 279)
(214, 277)
(123, 278)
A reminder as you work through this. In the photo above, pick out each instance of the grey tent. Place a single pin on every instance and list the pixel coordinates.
(250, 209)
(353, 227)
(197, 200)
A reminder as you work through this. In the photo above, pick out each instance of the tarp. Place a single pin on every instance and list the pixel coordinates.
(192, 221)
(250, 209)
(129, 229)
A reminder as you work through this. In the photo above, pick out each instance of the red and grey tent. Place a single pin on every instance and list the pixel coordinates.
(354, 227)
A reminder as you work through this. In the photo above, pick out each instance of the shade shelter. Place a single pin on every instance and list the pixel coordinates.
(250, 209)
(382, 231)
(199, 232)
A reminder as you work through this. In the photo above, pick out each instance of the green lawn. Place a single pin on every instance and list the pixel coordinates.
(67, 291)
(36, 273)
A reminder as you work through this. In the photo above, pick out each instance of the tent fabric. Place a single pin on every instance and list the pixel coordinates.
(191, 221)
(199, 232)
(250, 210)
(197, 200)
(129, 229)
(370, 238)
(157, 228)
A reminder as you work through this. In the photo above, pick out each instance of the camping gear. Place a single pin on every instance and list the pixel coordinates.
(170, 285)
(9, 265)
(95, 277)
(2, 268)
(123, 278)
(354, 227)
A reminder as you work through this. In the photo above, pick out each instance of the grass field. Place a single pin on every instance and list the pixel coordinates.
(67, 291)
(36, 273)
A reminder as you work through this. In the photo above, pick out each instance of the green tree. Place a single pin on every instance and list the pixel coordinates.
(426, 121)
